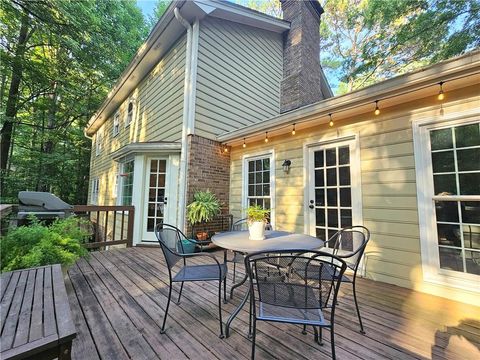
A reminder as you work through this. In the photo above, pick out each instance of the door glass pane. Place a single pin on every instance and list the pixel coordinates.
(332, 218)
(345, 197)
(332, 177)
(331, 157)
(345, 218)
(443, 162)
(332, 197)
(344, 173)
(319, 197)
(320, 233)
(467, 135)
(320, 216)
(319, 178)
(318, 158)
(343, 155)
(441, 139)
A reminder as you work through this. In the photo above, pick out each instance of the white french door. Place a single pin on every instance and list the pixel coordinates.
(334, 197)
(159, 197)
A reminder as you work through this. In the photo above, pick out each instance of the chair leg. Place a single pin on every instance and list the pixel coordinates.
(358, 309)
(234, 268)
(315, 334)
(220, 308)
(254, 333)
(332, 341)
(225, 290)
(250, 316)
(180, 294)
(162, 330)
(304, 331)
(320, 331)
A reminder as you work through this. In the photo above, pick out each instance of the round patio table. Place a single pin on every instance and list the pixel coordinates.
(274, 240)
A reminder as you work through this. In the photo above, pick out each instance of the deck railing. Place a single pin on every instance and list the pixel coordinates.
(111, 225)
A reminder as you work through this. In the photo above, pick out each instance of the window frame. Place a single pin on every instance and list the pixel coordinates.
(121, 182)
(95, 190)
(426, 206)
(116, 124)
(132, 101)
(252, 157)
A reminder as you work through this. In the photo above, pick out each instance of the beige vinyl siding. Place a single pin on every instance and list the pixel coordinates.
(158, 117)
(238, 76)
(389, 198)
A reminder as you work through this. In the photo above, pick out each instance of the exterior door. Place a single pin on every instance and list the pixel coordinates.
(158, 189)
(334, 198)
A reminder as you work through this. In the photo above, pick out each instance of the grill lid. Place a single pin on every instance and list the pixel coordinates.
(44, 199)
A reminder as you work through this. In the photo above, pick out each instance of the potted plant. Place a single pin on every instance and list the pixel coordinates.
(257, 218)
(204, 207)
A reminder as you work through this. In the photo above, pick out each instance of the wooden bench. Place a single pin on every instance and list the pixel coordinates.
(36, 321)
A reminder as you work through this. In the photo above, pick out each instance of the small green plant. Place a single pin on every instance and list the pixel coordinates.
(203, 208)
(257, 213)
(38, 245)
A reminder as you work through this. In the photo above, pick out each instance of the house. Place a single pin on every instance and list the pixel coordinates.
(220, 96)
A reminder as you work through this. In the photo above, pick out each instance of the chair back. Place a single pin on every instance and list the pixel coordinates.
(170, 239)
(298, 279)
(349, 244)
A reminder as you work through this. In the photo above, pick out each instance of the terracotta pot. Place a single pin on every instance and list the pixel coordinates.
(256, 230)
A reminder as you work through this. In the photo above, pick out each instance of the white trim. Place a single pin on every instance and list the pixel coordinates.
(137, 196)
(270, 153)
(143, 148)
(426, 211)
(193, 78)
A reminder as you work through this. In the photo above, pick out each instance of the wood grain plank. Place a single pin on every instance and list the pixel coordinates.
(36, 324)
(7, 298)
(4, 281)
(63, 314)
(49, 324)
(23, 327)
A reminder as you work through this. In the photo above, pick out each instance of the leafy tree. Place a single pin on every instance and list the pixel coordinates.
(160, 7)
(58, 61)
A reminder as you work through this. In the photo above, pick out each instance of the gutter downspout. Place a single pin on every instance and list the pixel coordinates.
(188, 112)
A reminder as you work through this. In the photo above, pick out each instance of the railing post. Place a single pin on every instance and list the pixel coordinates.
(131, 216)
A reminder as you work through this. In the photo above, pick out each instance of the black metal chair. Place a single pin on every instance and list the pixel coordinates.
(349, 244)
(170, 239)
(288, 286)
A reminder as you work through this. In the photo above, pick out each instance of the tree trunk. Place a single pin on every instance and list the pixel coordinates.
(12, 100)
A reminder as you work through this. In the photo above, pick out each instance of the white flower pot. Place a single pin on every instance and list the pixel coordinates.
(256, 230)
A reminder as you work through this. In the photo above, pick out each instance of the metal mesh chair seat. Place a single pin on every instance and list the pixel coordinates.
(314, 317)
(201, 273)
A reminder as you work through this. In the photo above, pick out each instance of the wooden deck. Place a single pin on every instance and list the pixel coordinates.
(118, 299)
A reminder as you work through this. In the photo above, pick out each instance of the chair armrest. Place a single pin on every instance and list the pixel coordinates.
(186, 256)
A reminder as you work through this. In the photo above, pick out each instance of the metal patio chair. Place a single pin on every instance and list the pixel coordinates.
(294, 290)
(348, 244)
(170, 239)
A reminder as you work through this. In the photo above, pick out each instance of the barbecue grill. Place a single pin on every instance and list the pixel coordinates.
(43, 205)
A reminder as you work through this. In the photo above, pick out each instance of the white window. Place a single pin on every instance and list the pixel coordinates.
(126, 183)
(95, 190)
(116, 182)
(448, 186)
(99, 142)
(130, 116)
(259, 175)
(116, 124)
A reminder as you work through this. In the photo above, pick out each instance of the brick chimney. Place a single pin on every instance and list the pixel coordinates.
(302, 74)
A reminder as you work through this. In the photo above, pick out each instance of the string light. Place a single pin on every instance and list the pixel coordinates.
(244, 145)
(266, 136)
(293, 130)
(225, 149)
(441, 95)
(331, 120)
(377, 109)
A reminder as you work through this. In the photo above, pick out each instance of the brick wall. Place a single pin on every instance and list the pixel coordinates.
(301, 84)
(208, 168)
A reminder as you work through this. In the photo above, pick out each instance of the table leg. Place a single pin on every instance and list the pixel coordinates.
(237, 285)
(235, 313)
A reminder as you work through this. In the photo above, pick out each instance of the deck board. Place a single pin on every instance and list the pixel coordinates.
(118, 299)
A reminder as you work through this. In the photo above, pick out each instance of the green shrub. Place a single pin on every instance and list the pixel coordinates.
(204, 207)
(38, 245)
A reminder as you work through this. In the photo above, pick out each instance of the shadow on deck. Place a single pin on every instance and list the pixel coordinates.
(118, 299)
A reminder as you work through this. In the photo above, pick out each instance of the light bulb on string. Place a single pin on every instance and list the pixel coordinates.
(293, 129)
(244, 145)
(266, 136)
(331, 120)
(441, 94)
(225, 149)
(377, 109)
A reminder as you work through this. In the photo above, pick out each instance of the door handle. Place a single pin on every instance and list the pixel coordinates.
(165, 200)
(311, 206)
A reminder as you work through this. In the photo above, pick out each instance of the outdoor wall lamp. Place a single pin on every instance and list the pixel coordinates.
(286, 166)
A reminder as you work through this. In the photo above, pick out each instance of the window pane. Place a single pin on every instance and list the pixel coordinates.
(151, 209)
(258, 190)
(153, 165)
(319, 197)
(320, 217)
(266, 204)
(445, 184)
(251, 178)
(331, 157)
(469, 159)
(472, 260)
(266, 164)
(343, 155)
(345, 197)
(161, 180)
(451, 259)
(266, 190)
(258, 177)
(469, 184)
(332, 177)
(162, 166)
(471, 212)
(346, 218)
(251, 166)
(150, 224)
(331, 233)
(320, 234)
(251, 190)
(443, 162)
(318, 158)
(471, 236)
(446, 211)
(258, 165)
(266, 177)
(467, 135)
(332, 218)
(441, 139)
(319, 178)
(449, 235)
(332, 197)
(344, 173)
(151, 195)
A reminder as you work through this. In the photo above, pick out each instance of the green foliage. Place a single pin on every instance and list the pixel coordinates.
(203, 208)
(38, 245)
(160, 7)
(257, 213)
